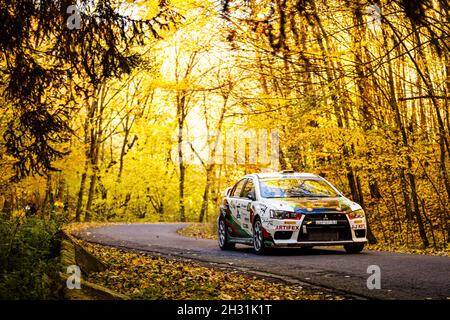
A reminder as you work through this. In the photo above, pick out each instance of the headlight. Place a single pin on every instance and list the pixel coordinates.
(280, 214)
(356, 214)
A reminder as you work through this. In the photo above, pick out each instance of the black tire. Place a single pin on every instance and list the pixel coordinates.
(222, 236)
(258, 238)
(354, 248)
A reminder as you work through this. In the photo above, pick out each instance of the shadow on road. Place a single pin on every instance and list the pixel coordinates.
(281, 252)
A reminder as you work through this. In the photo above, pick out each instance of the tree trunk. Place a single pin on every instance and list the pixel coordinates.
(161, 212)
(182, 168)
(404, 139)
(92, 183)
(123, 149)
(48, 199)
(205, 198)
(412, 181)
(370, 236)
(80, 194)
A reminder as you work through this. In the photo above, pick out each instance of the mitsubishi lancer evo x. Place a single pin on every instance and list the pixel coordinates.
(289, 209)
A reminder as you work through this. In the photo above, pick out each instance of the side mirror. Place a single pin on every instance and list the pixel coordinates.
(251, 195)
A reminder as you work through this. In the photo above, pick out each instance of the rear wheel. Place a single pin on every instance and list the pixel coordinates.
(224, 243)
(258, 237)
(354, 248)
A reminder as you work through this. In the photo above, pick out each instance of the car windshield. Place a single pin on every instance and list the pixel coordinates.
(295, 187)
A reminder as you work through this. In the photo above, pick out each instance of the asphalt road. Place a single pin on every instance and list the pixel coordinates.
(403, 276)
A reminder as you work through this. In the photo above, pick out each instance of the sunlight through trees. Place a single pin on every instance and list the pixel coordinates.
(132, 116)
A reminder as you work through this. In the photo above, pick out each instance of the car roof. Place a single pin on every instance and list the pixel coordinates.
(282, 174)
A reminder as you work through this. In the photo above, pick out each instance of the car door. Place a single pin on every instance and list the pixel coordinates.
(245, 204)
(234, 221)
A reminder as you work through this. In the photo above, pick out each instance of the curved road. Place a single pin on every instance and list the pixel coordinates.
(403, 276)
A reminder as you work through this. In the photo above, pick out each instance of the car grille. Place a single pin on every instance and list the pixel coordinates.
(317, 232)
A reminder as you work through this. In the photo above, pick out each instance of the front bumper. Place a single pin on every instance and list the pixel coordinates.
(297, 244)
(316, 230)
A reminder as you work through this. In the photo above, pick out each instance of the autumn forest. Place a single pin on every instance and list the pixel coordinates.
(147, 110)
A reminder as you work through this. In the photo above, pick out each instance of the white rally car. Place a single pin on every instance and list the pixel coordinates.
(289, 209)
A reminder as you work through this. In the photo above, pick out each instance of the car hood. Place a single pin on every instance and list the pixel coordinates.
(313, 205)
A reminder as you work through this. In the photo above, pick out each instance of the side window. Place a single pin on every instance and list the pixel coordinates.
(248, 187)
(237, 189)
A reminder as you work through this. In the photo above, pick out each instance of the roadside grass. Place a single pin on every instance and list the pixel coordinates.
(209, 231)
(29, 257)
(156, 278)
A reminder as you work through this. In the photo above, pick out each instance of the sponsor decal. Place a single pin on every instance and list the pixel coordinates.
(290, 222)
(358, 224)
(237, 230)
(287, 228)
(263, 208)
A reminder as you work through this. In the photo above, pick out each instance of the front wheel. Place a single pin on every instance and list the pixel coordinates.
(223, 236)
(258, 238)
(353, 248)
